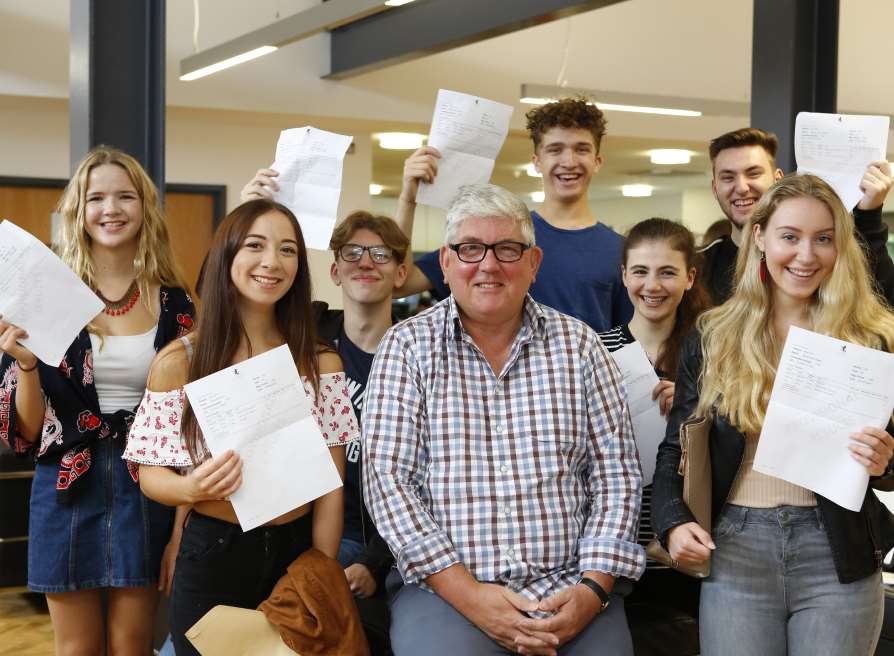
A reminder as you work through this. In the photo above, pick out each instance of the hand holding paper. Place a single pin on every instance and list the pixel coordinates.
(838, 148)
(36, 285)
(259, 409)
(649, 425)
(825, 391)
(309, 162)
(469, 132)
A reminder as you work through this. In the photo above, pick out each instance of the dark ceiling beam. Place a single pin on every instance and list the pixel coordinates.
(426, 27)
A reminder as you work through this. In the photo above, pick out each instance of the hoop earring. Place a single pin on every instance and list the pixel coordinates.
(764, 273)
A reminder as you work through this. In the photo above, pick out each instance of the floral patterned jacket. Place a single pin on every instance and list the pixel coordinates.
(73, 421)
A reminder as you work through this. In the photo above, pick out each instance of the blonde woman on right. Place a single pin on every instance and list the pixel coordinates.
(791, 571)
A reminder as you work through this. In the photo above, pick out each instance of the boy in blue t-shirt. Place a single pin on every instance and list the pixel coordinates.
(581, 270)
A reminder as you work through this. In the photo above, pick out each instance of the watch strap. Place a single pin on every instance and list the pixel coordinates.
(598, 590)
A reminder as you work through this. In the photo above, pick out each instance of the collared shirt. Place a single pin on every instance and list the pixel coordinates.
(527, 478)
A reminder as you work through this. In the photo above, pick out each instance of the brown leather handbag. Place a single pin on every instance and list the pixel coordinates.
(695, 468)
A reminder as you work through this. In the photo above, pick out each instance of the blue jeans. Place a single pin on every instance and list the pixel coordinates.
(773, 590)
(423, 623)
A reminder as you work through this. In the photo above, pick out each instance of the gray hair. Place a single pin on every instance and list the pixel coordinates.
(487, 201)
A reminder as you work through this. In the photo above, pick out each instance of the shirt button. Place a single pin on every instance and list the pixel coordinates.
(509, 551)
(499, 429)
(504, 468)
(507, 510)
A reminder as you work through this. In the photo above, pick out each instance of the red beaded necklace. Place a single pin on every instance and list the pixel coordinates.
(123, 304)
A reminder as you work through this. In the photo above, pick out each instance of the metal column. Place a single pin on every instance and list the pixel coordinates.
(117, 80)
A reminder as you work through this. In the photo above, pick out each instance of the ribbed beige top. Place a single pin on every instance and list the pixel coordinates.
(756, 490)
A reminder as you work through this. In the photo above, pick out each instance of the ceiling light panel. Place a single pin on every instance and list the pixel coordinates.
(636, 190)
(399, 140)
(670, 156)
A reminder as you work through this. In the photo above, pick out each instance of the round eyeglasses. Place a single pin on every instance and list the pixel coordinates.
(353, 253)
(473, 251)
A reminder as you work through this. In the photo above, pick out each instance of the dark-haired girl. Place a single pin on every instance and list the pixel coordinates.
(659, 272)
(256, 296)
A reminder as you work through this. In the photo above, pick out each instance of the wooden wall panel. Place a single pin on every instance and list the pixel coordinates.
(190, 220)
(30, 208)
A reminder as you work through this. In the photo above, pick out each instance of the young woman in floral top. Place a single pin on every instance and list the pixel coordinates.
(256, 296)
(92, 534)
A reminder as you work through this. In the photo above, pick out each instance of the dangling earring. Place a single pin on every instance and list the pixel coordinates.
(764, 274)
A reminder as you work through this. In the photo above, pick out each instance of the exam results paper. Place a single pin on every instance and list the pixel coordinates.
(469, 132)
(649, 426)
(310, 163)
(825, 389)
(40, 294)
(259, 409)
(838, 148)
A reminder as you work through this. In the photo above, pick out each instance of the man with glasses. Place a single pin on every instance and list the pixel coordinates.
(581, 270)
(499, 464)
(369, 253)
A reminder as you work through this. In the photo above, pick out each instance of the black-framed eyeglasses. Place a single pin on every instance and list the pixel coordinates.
(353, 253)
(474, 251)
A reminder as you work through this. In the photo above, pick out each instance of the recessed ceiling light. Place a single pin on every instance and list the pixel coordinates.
(670, 156)
(636, 190)
(397, 3)
(399, 140)
(538, 196)
(375, 189)
(532, 171)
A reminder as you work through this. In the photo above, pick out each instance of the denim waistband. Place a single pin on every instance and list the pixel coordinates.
(302, 523)
(779, 516)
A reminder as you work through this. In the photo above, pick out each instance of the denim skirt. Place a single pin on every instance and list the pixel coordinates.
(111, 536)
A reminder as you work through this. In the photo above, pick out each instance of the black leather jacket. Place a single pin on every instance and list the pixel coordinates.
(859, 540)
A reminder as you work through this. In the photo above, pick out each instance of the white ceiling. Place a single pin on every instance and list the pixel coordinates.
(692, 48)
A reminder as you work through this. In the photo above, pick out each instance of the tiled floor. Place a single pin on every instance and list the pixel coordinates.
(25, 628)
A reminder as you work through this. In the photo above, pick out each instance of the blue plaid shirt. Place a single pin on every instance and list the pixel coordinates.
(527, 478)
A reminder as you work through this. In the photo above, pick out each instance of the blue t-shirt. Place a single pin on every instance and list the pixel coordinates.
(580, 274)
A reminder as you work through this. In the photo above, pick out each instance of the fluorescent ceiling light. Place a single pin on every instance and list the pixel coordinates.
(399, 140)
(397, 3)
(641, 103)
(228, 63)
(636, 190)
(532, 171)
(670, 156)
(375, 189)
(538, 196)
(318, 19)
(614, 107)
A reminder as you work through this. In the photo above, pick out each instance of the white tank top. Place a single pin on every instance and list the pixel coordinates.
(120, 369)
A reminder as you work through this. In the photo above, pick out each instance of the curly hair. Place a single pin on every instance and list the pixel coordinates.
(566, 113)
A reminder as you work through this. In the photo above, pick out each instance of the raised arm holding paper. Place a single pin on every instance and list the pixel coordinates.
(744, 167)
(580, 274)
(788, 565)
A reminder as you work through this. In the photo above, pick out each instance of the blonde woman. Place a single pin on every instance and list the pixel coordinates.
(92, 533)
(791, 571)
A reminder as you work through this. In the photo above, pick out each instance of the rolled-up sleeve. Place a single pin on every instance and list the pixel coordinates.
(396, 460)
(608, 541)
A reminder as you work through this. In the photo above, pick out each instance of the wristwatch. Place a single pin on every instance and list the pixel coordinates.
(598, 590)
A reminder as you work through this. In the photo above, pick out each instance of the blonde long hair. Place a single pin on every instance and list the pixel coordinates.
(740, 347)
(154, 261)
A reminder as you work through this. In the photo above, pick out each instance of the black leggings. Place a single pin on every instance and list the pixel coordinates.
(219, 564)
